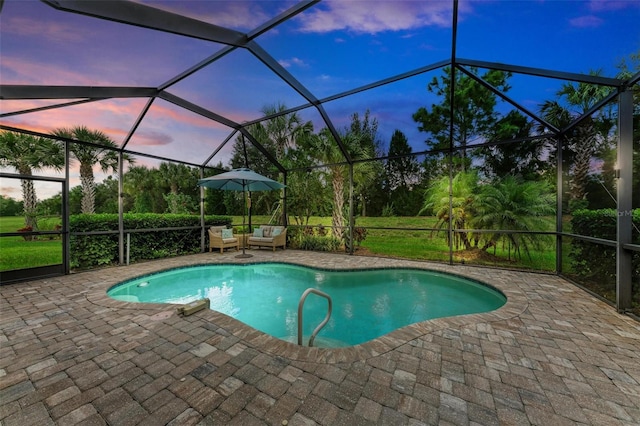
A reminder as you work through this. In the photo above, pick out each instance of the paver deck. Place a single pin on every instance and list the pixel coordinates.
(553, 355)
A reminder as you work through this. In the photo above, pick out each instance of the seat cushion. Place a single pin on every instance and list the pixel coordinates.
(260, 240)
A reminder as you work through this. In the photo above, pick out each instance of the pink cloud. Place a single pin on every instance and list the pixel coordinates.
(50, 30)
(30, 71)
(587, 21)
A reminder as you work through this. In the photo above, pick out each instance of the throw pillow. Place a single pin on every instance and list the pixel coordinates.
(276, 232)
(257, 232)
(227, 233)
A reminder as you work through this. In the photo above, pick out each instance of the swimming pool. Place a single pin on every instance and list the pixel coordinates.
(366, 303)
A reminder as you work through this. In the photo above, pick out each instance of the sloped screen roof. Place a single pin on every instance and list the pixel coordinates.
(178, 79)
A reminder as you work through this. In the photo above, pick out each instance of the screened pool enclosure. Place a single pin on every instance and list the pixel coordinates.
(499, 134)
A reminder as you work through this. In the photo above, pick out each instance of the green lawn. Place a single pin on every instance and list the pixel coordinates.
(16, 253)
(404, 243)
(421, 243)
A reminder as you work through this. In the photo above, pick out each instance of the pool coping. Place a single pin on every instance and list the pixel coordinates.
(517, 302)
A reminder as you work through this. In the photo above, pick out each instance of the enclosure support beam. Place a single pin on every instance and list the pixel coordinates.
(66, 212)
(352, 221)
(120, 208)
(452, 97)
(284, 220)
(559, 201)
(624, 174)
(202, 213)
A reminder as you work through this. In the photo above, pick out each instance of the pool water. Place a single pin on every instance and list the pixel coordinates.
(366, 303)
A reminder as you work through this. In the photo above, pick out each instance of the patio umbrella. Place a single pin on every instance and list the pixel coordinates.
(240, 180)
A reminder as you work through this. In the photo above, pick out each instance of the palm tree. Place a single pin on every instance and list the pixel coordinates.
(586, 138)
(463, 186)
(103, 151)
(514, 205)
(284, 130)
(326, 152)
(27, 153)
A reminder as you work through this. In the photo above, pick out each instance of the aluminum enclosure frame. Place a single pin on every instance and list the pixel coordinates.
(133, 13)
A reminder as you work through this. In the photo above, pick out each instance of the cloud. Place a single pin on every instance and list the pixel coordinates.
(610, 5)
(151, 138)
(375, 16)
(16, 70)
(587, 21)
(239, 14)
(287, 63)
(40, 29)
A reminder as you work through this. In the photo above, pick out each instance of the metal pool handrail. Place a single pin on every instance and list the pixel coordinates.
(322, 324)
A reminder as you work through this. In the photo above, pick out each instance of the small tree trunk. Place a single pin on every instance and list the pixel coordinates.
(88, 202)
(337, 217)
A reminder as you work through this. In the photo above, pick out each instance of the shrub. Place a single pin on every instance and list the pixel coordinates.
(318, 243)
(596, 263)
(359, 234)
(89, 251)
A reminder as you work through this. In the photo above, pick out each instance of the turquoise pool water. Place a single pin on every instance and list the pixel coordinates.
(366, 303)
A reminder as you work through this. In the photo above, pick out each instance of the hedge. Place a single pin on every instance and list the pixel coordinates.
(88, 251)
(595, 263)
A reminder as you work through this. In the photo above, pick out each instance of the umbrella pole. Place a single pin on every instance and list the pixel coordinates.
(244, 207)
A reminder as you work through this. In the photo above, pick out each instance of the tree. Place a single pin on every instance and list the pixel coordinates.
(10, 207)
(463, 186)
(306, 194)
(327, 152)
(512, 204)
(142, 190)
(583, 141)
(368, 176)
(474, 114)
(285, 129)
(627, 68)
(521, 158)
(27, 153)
(102, 151)
(183, 193)
(402, 176)
(279, 135)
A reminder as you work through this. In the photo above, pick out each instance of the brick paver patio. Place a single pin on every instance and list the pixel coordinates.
(553, 355)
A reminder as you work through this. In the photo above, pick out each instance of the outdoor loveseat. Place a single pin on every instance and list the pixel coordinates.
(222, 238)
(268, 236)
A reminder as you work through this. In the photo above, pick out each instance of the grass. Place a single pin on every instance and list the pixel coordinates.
(420, 244)
(16, 253)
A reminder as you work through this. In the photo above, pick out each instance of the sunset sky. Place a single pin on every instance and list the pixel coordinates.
(330, 48)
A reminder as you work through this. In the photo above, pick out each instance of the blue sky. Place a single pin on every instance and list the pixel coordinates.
(330, 48)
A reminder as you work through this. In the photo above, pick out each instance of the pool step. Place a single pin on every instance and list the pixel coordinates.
(319, 342)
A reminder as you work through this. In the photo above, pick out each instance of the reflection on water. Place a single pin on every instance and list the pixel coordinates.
(221, 299)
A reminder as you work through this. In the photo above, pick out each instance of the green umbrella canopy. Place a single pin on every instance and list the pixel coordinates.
(240, 180)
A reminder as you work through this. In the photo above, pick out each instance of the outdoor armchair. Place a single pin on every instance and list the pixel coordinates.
(221, 238)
